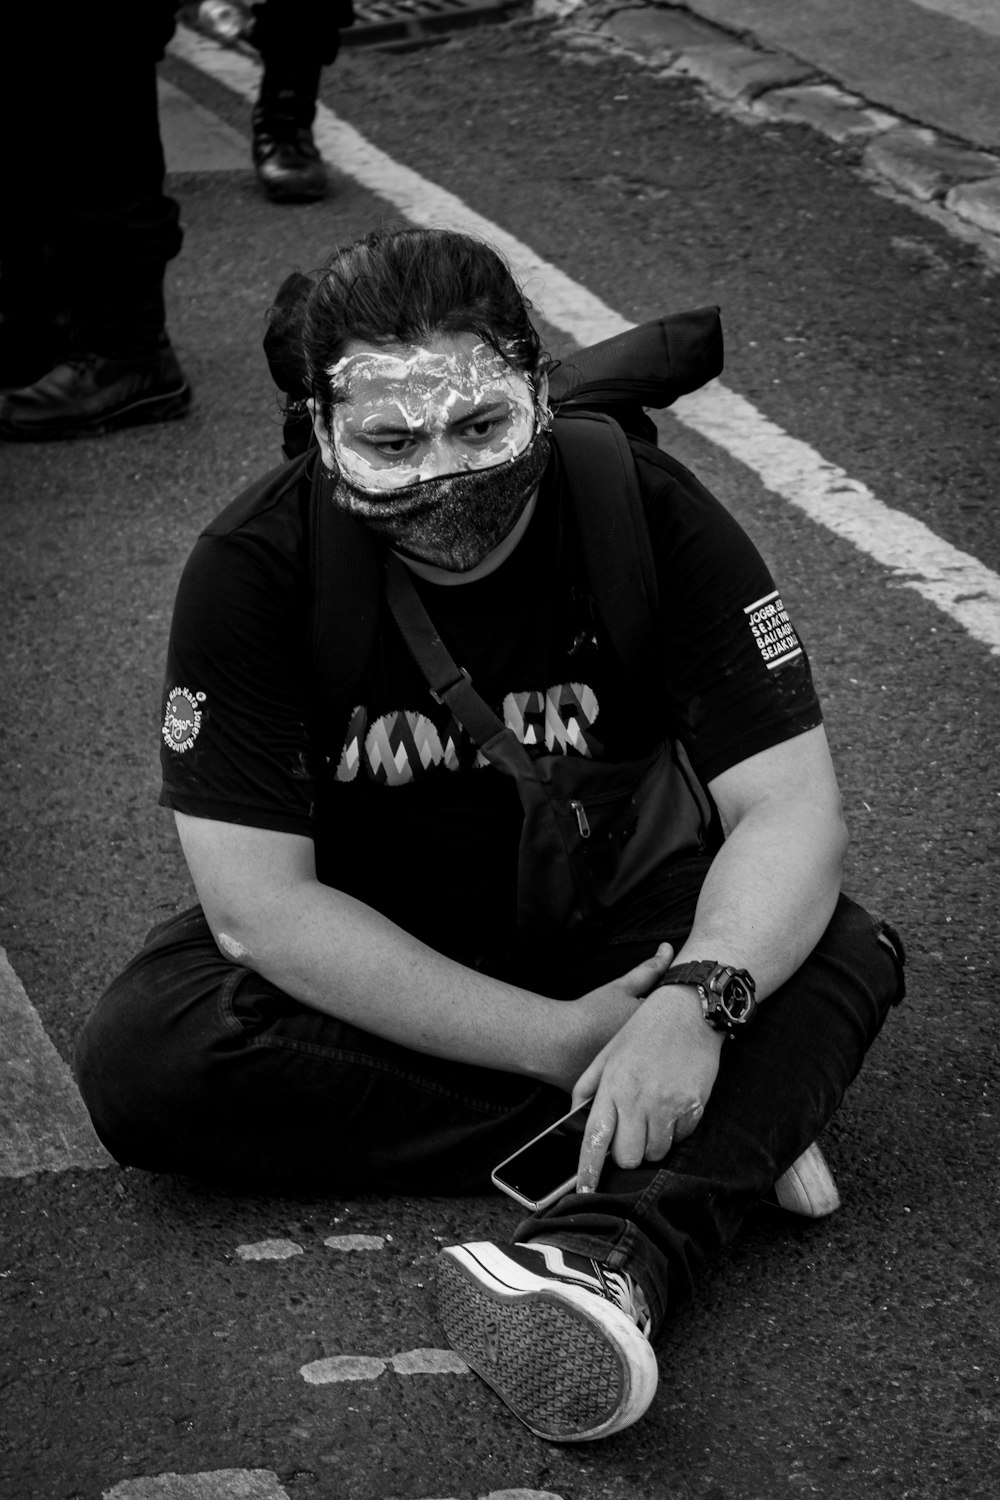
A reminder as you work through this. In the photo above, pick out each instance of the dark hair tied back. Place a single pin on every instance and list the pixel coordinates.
(407, 285)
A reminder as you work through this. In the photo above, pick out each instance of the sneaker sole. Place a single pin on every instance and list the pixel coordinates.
(163, 408)
(571, 1366)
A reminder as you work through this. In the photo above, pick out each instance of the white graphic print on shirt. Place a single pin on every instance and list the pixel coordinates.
(402, 745)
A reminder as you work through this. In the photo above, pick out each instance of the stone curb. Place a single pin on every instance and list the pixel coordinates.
(921, 163)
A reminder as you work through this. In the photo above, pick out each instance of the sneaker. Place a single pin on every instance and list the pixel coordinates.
(88, 394)
(560, 1338)
(808, 1187)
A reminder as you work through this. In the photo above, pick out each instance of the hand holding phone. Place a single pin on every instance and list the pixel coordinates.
(544, 1170)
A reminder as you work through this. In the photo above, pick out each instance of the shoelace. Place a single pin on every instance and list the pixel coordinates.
(627, 1294)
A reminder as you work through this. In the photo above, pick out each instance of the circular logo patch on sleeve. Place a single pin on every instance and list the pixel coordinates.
(182, 719)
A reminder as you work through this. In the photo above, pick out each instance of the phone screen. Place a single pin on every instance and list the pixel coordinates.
(545, 1169)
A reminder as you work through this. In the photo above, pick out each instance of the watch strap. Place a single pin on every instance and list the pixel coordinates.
(700, 973)
(697, 972)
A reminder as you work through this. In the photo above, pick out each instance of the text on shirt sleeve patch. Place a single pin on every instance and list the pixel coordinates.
(182, 719)
(773, 630)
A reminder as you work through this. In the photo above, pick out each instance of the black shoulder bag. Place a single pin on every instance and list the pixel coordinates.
(593, 831)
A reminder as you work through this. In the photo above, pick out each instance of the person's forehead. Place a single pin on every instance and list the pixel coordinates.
(437, 373)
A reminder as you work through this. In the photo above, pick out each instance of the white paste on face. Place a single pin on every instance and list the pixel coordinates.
(404, 420)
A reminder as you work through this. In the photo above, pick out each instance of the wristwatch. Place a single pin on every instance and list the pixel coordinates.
(728, 996)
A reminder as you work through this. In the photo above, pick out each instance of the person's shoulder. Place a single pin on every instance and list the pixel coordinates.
(277, 496)
(659, 470)
(256, 547)
(680, 509)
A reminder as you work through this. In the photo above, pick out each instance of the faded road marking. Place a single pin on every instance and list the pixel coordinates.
(959, 584)
(340, 1367)
(279, 1249)
(249, 1484)
(521, 1495)
(269, 1250)
(44, 1126)
(215, 1484)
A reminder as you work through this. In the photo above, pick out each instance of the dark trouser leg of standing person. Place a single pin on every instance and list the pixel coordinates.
(34, 324)
(296, 39)
(105, 223)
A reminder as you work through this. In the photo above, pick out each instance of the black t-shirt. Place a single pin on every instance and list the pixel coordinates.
(404, 811)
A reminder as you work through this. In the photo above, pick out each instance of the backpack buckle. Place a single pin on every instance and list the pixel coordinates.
(440, 697)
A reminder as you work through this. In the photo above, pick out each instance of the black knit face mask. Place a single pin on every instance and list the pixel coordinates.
(451, 521)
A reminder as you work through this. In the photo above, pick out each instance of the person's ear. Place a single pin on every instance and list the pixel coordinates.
(322, 434)
(542, 388)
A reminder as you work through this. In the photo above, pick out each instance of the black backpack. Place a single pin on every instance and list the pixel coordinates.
(649, 366)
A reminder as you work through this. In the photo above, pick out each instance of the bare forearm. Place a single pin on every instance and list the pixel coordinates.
(338, 955)
(769, 894)
(330, 951)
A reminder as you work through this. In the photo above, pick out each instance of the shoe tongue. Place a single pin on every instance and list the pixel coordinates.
(618, 1286)
(627, 1294)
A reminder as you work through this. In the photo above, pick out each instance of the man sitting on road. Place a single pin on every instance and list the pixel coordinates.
(381, 989)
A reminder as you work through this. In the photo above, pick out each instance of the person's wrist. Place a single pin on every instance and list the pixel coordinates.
(567, 1041)
(684, 1002)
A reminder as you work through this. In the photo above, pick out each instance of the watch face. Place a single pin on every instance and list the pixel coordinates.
(735, 991)
(737, 1000)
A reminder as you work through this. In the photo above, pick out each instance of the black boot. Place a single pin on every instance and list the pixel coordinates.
(89, 394)
(289, 167)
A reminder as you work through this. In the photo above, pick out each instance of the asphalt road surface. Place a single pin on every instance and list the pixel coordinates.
(169, 1342)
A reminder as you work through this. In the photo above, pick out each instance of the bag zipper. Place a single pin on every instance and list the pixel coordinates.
(581, 818)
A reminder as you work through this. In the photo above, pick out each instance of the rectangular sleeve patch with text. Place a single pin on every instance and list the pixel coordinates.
(773, 630)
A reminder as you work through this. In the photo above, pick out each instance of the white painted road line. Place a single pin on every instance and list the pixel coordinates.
(349, 1242)
(956, 582)
(251, 1484)
(215, 1484)
(285, 1249)
(983, 14)
(44, 1126)
(269, 1250)
(959, 584)
(340, 1367)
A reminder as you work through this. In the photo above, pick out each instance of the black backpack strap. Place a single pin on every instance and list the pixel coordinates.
(450, 683)
(611, 527)
(346, 587)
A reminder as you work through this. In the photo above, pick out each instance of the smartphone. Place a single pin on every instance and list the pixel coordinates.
(544, 1170)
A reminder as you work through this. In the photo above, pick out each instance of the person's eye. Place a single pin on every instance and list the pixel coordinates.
(482, 429)
(394, 447)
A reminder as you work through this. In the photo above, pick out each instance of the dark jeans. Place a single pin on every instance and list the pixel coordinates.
(192, 1064)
